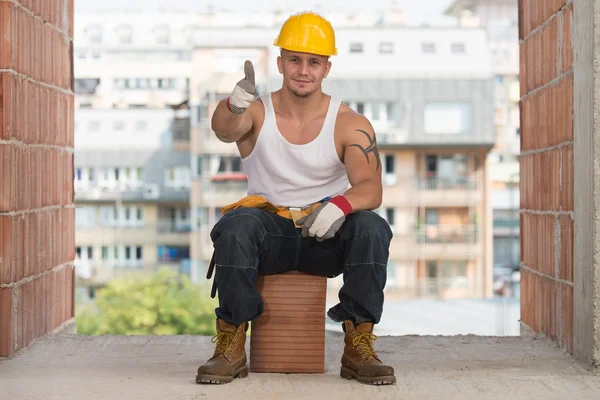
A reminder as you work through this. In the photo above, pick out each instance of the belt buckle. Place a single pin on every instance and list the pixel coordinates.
(296, 214)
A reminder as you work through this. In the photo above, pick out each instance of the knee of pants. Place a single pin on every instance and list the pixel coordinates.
(242, 222)
(368, 224)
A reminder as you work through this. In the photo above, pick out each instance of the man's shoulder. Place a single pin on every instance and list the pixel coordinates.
(351, 121)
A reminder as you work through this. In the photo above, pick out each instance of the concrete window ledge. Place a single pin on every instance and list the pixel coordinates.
(164, 367)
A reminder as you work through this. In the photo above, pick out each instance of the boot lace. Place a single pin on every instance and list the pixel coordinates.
(364, 343)
(225, 342)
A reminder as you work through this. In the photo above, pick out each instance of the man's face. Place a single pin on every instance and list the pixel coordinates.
(303, 72)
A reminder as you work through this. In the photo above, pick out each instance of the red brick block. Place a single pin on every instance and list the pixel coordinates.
(541, 180)
(290, 336)
(6, 34)
(70, 13)
(566, 317)
(567, 177)
(529, 299)
(566, 248)
(6, 322)
(567, 42)
(538, 242)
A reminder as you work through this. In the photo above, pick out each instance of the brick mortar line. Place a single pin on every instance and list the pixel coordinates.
(19, 143)
(44, 84)
(23, 281)
(554, 82)
(545, 23)
(36, 210)
(538, 273)
(547, 149)
(552, 213)
(32, 14)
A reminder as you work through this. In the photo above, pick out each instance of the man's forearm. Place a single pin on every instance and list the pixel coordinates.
(366, 195)
(228, 126)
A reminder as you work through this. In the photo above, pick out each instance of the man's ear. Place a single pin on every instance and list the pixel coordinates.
(279, 64)
(327, 69)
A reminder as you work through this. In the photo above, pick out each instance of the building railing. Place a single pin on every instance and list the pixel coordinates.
(446, 234)
(169, 226)
(446, 184)
(158, 226)
(443, 286)
(506, 223)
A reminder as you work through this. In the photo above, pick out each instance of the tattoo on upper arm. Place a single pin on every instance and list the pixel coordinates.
(371, 148)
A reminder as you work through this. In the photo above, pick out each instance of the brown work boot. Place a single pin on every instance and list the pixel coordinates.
(360, 360)
(229, 359)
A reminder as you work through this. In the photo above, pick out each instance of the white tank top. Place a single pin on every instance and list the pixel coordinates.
(295, 175)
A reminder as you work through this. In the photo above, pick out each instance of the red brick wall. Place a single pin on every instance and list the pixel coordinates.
(546, 77)
(36, 170)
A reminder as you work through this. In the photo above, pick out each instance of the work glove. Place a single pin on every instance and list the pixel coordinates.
(325, 220)
(244, 91)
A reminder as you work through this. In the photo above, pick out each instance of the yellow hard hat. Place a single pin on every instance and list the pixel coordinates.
(307, 33)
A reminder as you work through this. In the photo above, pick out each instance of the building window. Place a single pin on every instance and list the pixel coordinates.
(119, 126)
(391, 274)
(163, 34)
(140, 126)
(94, 126)
(124, 33)
(94, 34)
(85, 217)
(386, 47)
(199, 166)
(236, 164)
(389, 163)
(86, 86)
(458, 48)
(356, 47)
(448, 118)
(178, 177)
(390, 216)
(389, 172)
(360, 108)
(428, 47)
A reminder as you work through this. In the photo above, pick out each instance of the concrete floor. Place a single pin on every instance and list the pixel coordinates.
(150, 367)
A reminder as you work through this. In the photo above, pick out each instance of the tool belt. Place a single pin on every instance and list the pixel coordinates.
(260, 202)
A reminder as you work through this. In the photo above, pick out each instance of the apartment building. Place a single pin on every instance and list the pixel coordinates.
(132, 193)
(429, 95)
(500, 20)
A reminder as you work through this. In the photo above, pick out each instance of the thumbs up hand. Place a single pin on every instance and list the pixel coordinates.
(244, 91)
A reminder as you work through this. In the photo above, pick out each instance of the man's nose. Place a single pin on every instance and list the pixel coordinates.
(303, 68)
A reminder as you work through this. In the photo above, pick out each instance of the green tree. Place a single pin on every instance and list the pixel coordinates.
(164, 304)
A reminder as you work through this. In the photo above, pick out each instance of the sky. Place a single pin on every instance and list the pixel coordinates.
(416, 11)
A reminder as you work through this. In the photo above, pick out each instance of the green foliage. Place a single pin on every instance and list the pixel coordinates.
(164, 304)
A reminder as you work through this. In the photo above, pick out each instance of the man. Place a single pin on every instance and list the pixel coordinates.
(307, 153)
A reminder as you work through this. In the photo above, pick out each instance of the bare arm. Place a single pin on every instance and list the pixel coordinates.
(232, 118)
(363, 165)
(228, 126)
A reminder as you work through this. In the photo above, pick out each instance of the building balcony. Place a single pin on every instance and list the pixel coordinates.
(175, 233)
(134, 234)
(219, 190)
(204, 141)
(446, 241)
(437, 242)
(139, 192)
(447, 192)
